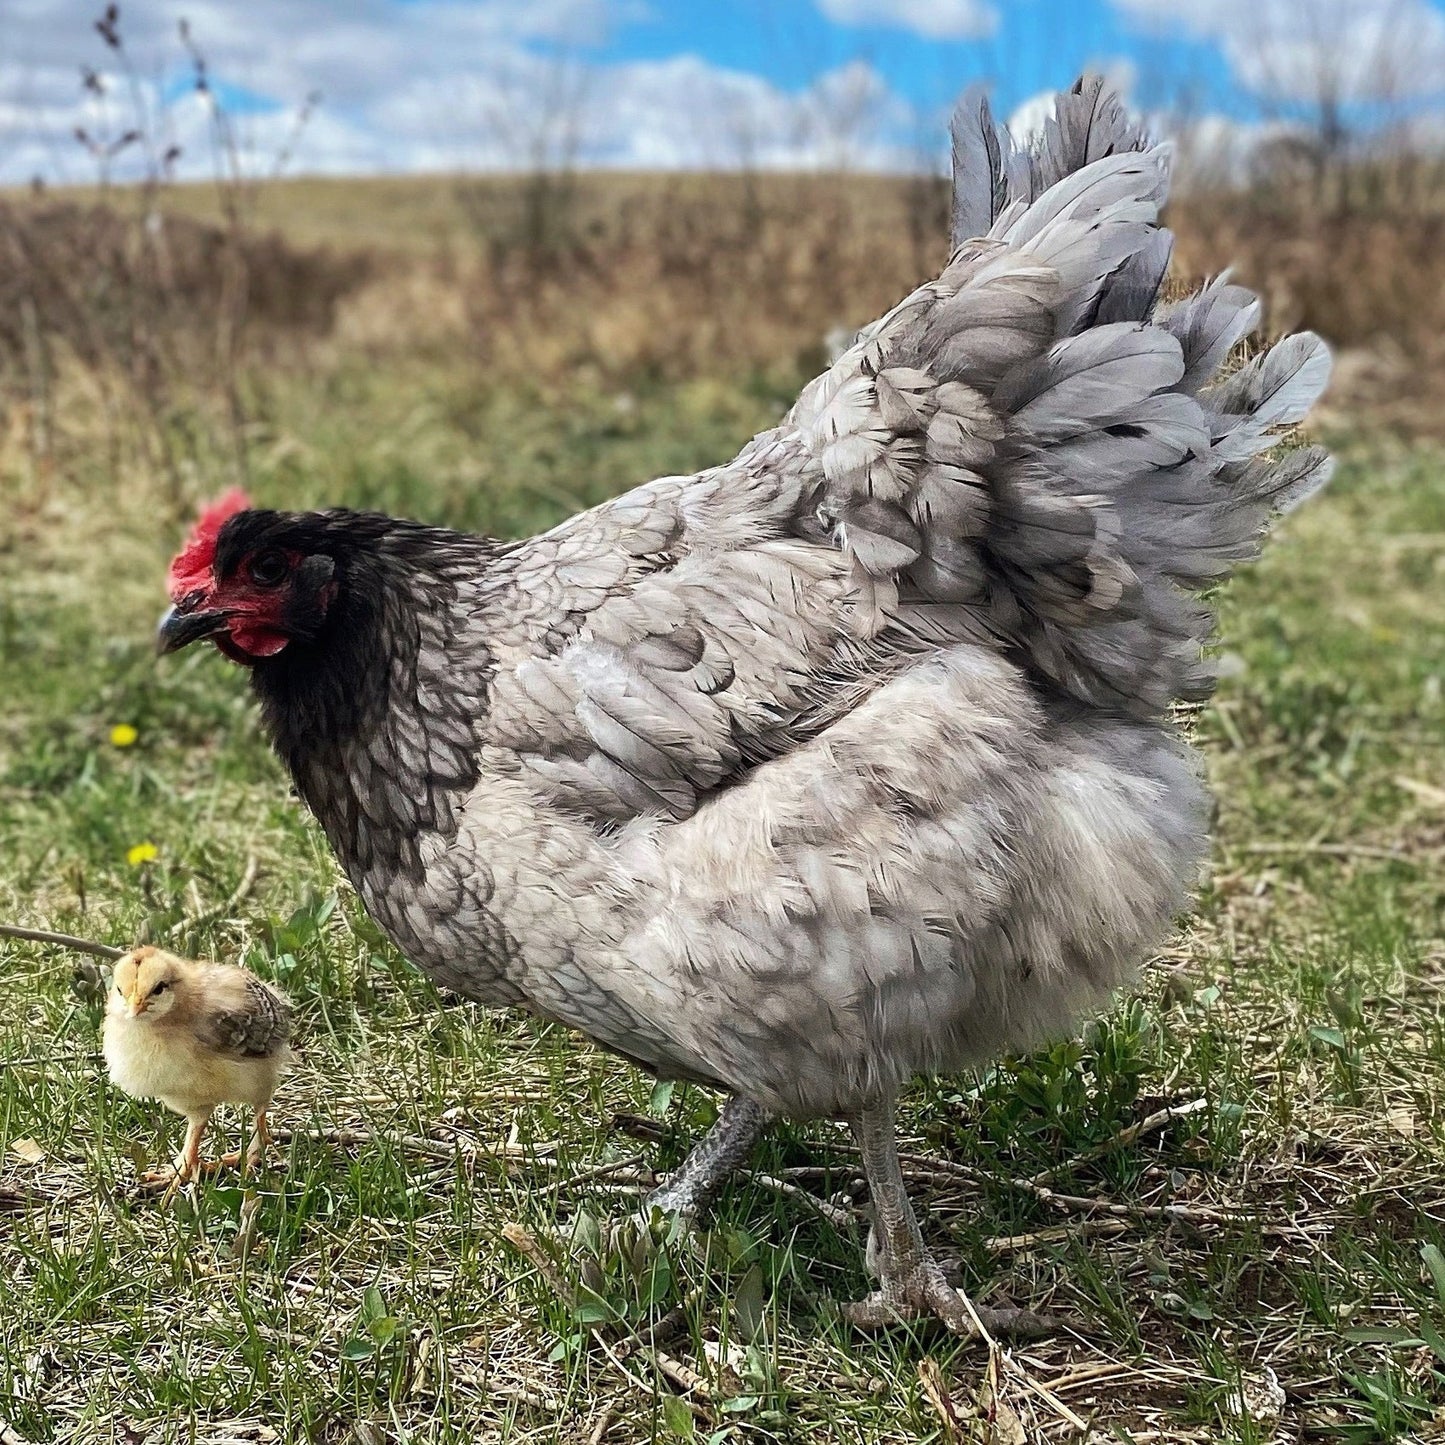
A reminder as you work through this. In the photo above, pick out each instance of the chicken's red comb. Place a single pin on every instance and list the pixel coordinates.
(191, 566)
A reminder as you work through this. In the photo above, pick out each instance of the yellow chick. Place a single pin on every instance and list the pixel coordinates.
(196, 1035)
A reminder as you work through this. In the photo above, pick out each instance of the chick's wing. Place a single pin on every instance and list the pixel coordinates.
(248, 1019)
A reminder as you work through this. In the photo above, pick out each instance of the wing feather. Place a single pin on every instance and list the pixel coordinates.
(1027, 450)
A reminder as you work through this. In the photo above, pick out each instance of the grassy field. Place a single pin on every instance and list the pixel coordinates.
(1260, 1262)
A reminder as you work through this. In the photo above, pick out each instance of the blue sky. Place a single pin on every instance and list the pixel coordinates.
(447, 84)
(1033, 45)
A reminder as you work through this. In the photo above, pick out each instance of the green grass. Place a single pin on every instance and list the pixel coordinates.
(378, 1299)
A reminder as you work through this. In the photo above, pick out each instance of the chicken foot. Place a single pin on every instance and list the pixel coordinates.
(189, 1165)
(912, 1283)
(691, 1188)
(188, 1162)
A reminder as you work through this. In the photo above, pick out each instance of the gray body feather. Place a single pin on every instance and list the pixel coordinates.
(851, 759)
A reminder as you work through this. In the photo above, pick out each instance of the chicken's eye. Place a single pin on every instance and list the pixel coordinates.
(160, 988)
(268, 568)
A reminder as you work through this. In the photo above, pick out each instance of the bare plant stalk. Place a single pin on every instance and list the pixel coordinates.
(61, 940)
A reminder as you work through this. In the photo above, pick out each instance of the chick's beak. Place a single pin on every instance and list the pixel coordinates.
(180, 628)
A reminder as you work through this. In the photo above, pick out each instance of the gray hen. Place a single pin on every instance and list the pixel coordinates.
(847, 761)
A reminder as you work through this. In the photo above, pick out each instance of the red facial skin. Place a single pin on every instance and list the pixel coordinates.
(254, 629)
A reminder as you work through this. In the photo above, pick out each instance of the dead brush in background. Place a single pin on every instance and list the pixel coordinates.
(692, 275)
(1351, 247)
(163, 317)
(120, 317)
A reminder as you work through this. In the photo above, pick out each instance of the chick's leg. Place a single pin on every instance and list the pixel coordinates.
(693, 1187)
(260, 1143)
(911, 1282)
(188, 1161)
(189, 1164)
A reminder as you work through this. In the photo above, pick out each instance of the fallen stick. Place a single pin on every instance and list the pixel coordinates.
(1055, 1234)
(923, 1166)
(432, 1148)
(525, 1395)
(603, 1425)
(210, 915)
(627, 1167)
(109, 950)
(835, 1214)
(440, 1149)
(1121, 1140)
(1426, 792)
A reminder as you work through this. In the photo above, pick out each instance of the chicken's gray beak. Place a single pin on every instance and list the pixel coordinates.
(179, 629)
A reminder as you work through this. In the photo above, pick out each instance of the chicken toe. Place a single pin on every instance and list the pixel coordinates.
(912, 1283)
(923, 1291)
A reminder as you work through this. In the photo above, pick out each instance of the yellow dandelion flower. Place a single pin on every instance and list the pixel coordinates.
(141, 853)
(122, 735)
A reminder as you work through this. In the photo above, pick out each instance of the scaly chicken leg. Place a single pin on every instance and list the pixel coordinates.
(693, 1187)
(911, 1282)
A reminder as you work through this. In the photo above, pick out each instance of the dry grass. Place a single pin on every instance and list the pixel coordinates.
(1372, 283)
(616, 277)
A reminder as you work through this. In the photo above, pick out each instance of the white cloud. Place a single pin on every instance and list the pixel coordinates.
(668, 114)
(933, 19)
(430, 85)
(1209, 149)
(1026, 123)
(1026, 120)
(1345, 51)
(1217, 150)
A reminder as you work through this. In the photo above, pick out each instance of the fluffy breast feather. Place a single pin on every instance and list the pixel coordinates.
(159, 1061)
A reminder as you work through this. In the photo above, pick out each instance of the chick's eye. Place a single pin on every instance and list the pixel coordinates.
(268, 568)
(159, 989)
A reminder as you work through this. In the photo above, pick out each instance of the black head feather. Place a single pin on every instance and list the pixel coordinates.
(375, 705)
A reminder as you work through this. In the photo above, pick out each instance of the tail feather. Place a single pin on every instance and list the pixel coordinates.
(1209, 326)
(1282, 485)
(1090, 380)
(1130, 293)
(1088, 123)
(981, 152)
(1031, 449)
(1090, 226)
(1276, 389)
